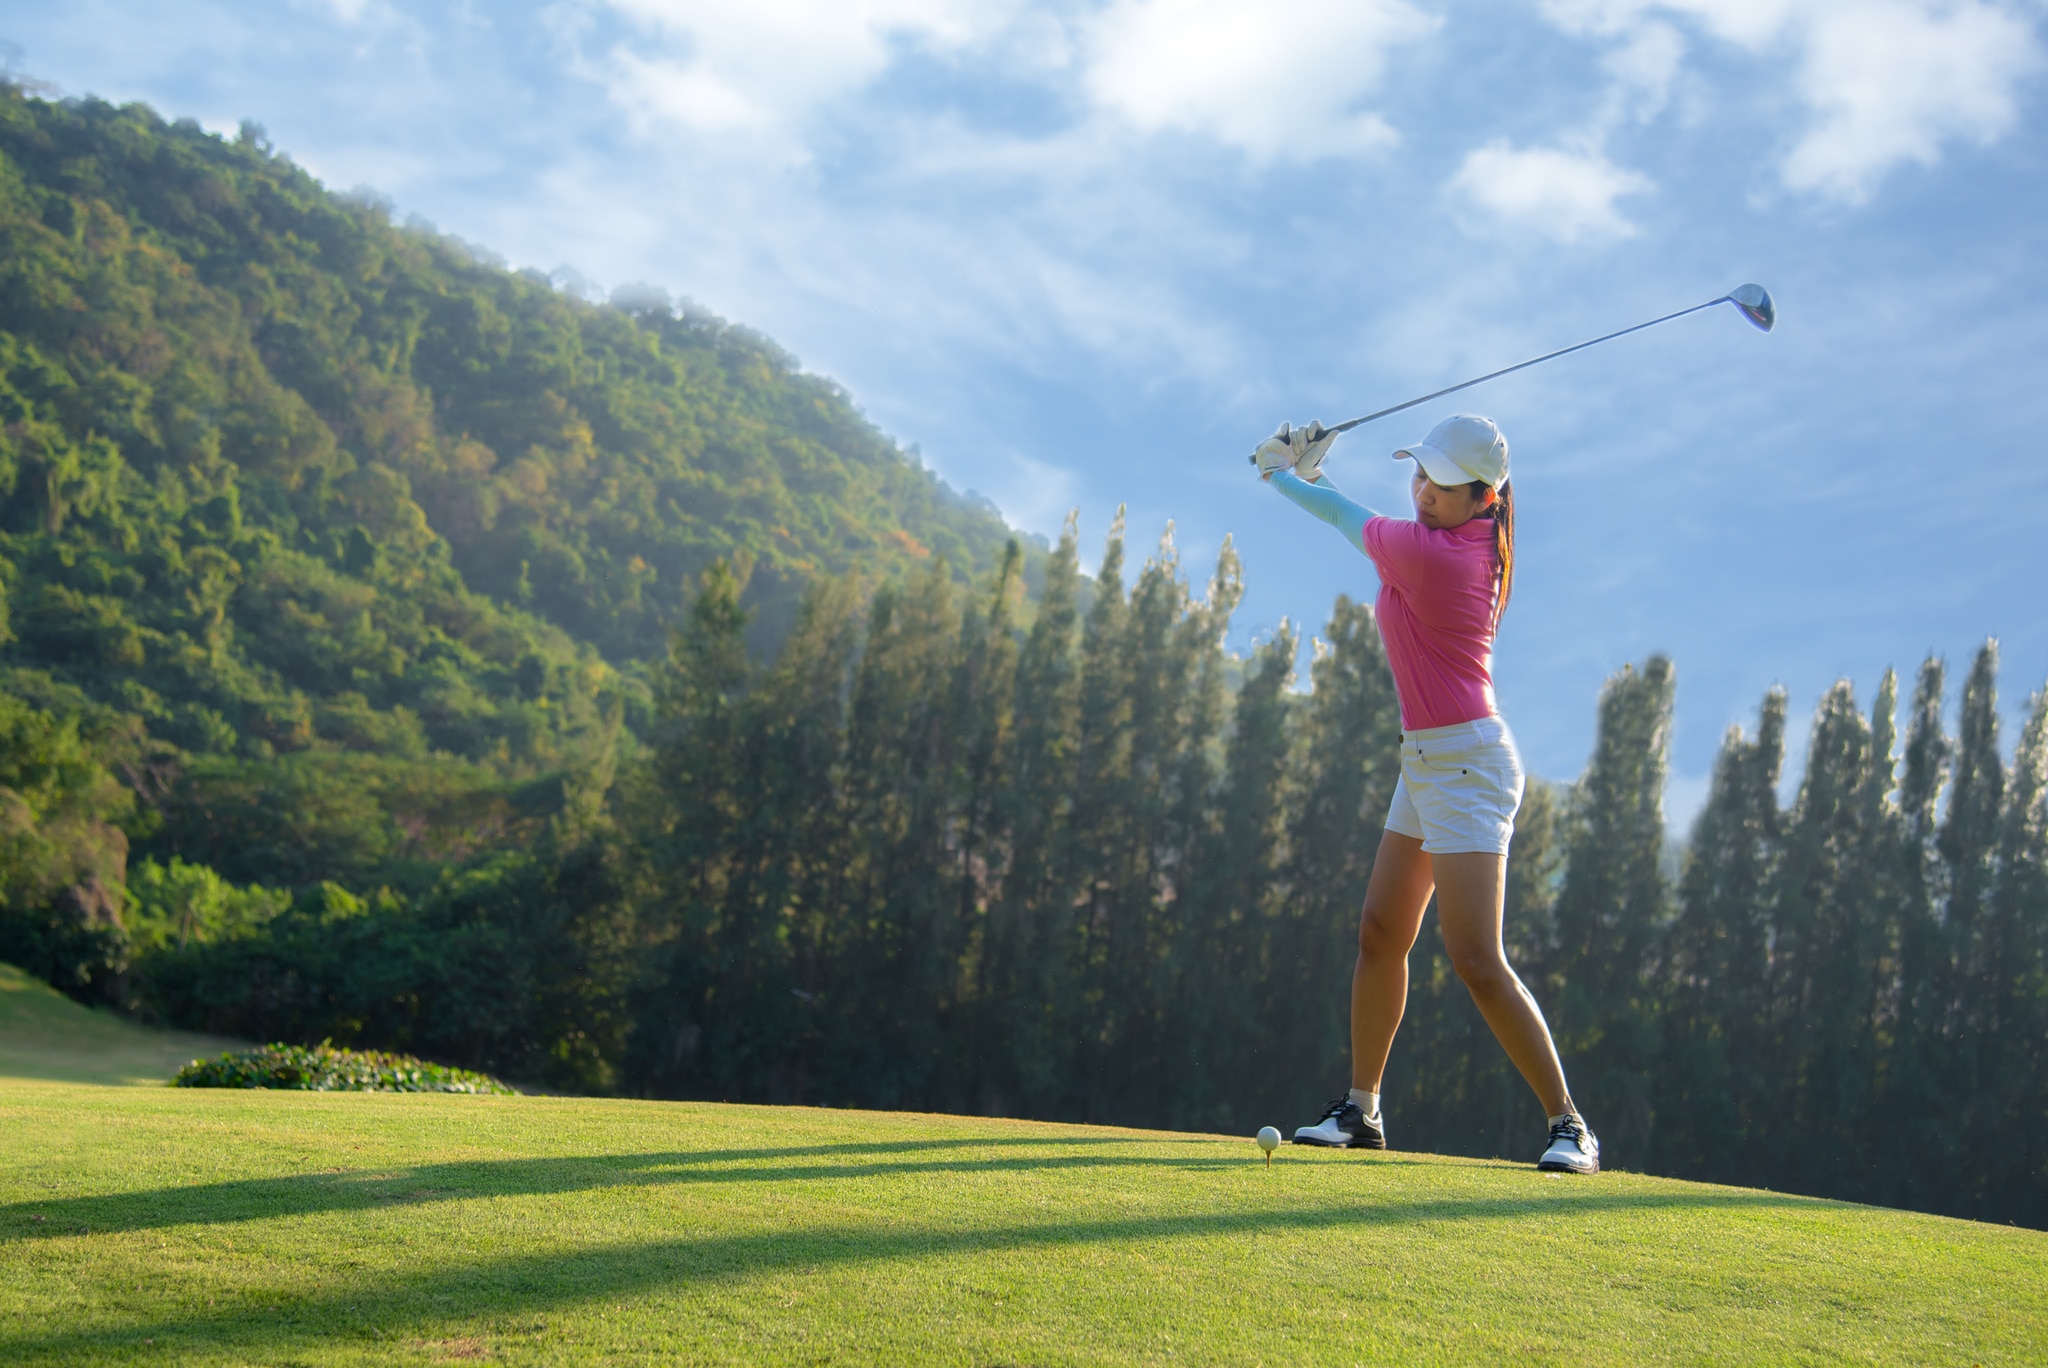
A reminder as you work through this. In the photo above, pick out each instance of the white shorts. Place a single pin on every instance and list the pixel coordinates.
(1459, 788)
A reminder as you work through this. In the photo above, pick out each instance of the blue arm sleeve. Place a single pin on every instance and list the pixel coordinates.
(1323, 500)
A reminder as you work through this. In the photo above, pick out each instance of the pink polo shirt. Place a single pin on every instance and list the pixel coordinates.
(1436, 616)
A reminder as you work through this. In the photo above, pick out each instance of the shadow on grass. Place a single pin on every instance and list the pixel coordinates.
(304, 1194)
(413, 1303)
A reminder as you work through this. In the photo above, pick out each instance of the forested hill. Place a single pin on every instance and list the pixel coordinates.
(284, 485)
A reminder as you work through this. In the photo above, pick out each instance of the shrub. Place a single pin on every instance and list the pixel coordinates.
(324, 1068)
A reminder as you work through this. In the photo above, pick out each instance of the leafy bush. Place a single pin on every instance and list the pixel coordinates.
(324, 1068)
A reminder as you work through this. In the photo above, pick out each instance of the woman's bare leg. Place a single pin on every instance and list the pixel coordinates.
(1395, 899)
(1470, 890)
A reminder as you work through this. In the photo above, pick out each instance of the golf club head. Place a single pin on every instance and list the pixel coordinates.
(1755, 303)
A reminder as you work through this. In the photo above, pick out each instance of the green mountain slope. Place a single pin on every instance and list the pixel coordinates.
(336, 519)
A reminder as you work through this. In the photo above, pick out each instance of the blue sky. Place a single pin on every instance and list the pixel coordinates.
(1083, 254)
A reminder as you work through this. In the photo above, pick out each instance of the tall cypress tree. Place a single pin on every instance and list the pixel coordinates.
(1098, 829)
(1968, 843)
(1879, 881)
(1027, 1002)
(1134, 930)
(1199, 1081)
(1614, 907)
(1969, 835)
(1977, 940)
(1915, 1141)
(790, 849)
(1229, 907)
(1828, 943)
(1876, 870)
(903, 772)
(2014, 1186)
(685, 803)
(985, 718)
(1717, 969)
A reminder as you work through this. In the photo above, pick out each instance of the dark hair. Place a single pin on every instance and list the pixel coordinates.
(1503, 515)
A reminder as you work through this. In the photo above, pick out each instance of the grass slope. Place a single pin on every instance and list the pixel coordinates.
(44, 1034)
(166, 1225)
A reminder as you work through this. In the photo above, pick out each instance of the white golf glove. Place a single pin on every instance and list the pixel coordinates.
(1275, 453)
(1309, 445)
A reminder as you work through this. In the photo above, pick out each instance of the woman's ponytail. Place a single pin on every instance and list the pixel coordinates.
(1503, 514)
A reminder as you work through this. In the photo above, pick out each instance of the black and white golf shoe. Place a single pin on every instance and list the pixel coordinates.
(1573, 1148)
(1344, 1126)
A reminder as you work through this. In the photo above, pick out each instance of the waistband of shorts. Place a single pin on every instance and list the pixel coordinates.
(1492, 727)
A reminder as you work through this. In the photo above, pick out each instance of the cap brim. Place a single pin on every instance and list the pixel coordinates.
(1436, 465)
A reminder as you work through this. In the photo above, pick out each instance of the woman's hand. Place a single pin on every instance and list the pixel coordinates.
(1310, 444)
(1300, 449)
(1274, 454)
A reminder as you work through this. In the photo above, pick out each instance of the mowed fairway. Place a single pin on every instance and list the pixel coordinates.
(159, 1225)
(46, 1035)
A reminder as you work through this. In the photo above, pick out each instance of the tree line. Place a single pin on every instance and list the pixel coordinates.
(937, 862)
(1097, 868)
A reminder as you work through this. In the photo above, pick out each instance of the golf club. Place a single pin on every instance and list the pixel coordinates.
(1753, 300)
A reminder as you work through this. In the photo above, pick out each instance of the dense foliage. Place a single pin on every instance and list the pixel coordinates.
(322, 1068)
(63, 846)
(355, 544)
(521, 964)
(1852, 992)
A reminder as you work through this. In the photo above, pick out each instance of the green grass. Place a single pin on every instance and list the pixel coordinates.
(158, 1225)
(44, 1034)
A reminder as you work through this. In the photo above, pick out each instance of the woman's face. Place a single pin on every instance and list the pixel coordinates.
(1446, 506)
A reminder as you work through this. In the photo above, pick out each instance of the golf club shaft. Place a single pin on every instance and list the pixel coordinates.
(1491, 375)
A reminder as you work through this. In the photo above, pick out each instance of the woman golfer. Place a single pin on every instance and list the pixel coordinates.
(1444, 579)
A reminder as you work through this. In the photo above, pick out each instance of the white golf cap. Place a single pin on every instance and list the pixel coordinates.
(1461, 449)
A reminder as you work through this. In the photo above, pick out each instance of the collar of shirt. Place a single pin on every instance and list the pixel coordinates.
(1471, 529)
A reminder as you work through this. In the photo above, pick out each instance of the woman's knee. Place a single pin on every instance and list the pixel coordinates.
(1483, 969)
(1379, 937)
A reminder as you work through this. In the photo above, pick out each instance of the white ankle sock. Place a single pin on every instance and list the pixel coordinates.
(1368, 1102)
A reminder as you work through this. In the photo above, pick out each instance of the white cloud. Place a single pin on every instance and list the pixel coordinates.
(758, 69)
(372, 14)
(1886, 82)
(1750, 23)
(347, 11)
(1891, 83)
(1646, 65)
(1567, 196)
(1278, 82)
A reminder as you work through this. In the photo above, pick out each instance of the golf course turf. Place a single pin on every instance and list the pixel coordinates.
(160, 1225)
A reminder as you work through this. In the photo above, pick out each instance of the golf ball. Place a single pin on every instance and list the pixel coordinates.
(1269, 1139)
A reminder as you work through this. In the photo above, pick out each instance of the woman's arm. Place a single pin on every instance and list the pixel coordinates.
(1323, 500)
